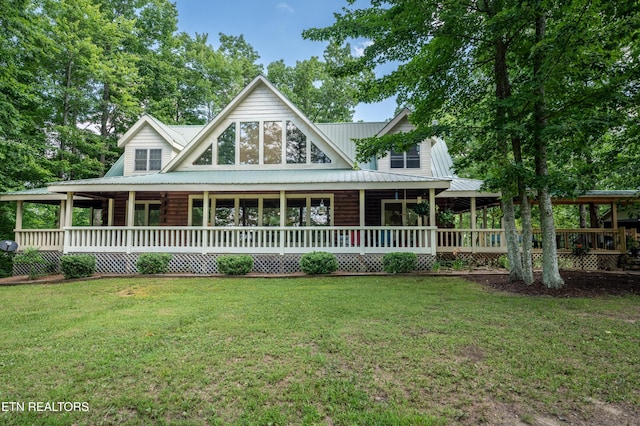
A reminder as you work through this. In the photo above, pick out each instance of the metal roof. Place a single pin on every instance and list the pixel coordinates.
(253, 179)
(441, 162)
(342, 134)
(186, 133)
(117, 169)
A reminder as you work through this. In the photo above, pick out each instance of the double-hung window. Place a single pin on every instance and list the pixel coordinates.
(148, 160)
(406, 160)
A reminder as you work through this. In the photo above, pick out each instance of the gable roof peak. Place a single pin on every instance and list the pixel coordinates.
(237, 100)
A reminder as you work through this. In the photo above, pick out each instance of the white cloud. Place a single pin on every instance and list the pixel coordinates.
(283, 6)
(358, 49)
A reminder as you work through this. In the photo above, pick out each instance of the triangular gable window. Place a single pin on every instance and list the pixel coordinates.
(318, 156)
(205, 159)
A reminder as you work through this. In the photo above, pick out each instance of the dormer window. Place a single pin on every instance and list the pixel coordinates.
(406, 160)
(148, 160)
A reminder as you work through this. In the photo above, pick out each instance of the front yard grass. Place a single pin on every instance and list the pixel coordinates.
(323, 350)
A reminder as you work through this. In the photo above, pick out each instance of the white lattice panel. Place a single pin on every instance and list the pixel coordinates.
(121, 263)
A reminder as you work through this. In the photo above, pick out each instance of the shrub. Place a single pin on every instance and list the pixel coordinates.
(318, 262)
(33, 259)
(399, 262)
(6, 264)
(503, 261)
(77, 265)
(237, 264)
(153, 263)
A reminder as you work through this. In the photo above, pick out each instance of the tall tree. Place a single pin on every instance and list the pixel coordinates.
(491, 73)
(310, 85)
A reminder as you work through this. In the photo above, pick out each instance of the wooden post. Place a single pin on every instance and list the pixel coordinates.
(205, 222)
(361, 236)
(283, 220)
(19, 214)
(473, 224)
(432, 207)
(131, 209)
(623, 239)
(432, 221)
(110, 213)
(69, 211)
(614, 215)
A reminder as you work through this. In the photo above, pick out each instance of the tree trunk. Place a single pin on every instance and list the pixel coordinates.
(550, 273)
(503, 92)
(104, 122)
(513, 248)
(583, 215)
(593, 216)
(527, 238)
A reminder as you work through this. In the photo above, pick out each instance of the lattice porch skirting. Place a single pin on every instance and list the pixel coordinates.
(121, 263)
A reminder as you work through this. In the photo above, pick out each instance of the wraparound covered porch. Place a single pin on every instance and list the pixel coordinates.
(286, 240)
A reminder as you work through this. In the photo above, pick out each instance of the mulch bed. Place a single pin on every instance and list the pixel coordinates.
(577, 284)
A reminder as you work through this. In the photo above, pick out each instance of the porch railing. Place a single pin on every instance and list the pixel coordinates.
(251, 239)
(43, 239)
(374, 239)
(494, 240)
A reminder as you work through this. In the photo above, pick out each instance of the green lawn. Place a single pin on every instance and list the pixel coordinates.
(326, 350)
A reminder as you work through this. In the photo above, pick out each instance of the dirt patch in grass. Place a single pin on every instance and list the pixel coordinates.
(577, 284)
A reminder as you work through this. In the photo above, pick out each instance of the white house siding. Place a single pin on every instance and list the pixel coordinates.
(260, 104)
(146, 138)
(425, 154)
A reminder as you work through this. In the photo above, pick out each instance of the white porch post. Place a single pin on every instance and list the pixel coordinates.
(205, 222)
(110, 213)
(283, 220)
(62, 214)
(131, 209)
(432, 220)
(68, 221)
(361, 236)
(473, 224)
(19, 213)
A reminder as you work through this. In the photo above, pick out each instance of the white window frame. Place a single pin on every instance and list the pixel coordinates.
(403, 155)
(147, 159)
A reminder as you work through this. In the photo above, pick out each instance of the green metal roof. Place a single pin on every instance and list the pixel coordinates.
(251, 177)
(117, 169)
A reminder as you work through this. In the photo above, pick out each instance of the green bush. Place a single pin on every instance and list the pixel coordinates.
(33, 259)
(153, 263)
(399, 262)
(237, 264)
(318, 262)
(77, 265)
(6, 264)
(503, 261)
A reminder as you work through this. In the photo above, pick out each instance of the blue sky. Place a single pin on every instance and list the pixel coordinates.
(273, 28)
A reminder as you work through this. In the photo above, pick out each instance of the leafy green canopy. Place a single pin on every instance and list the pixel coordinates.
(447, 60)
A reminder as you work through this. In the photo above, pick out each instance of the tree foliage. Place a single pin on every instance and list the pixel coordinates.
(528, 94)
(313, 87)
